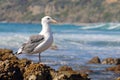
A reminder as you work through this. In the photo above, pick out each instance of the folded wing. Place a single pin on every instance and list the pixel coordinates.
(34, 41)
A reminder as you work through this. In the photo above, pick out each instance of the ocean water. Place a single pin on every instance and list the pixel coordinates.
(76, 43)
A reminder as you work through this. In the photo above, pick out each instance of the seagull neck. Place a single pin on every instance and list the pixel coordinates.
(45, 28)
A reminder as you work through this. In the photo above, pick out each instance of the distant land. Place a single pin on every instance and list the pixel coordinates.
(65, 11)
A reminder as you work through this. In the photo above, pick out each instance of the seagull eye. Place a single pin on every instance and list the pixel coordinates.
(48, 18)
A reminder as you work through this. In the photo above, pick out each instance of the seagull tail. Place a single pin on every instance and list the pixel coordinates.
(19, 51)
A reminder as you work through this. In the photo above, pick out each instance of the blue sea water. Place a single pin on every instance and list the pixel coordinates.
(76, 43)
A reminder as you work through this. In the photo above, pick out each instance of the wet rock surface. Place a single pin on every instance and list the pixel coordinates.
(67, 73)
(111, 61)
(116, 69)
(111, 67)
(95, 60)
(12, 68)
(108, 61)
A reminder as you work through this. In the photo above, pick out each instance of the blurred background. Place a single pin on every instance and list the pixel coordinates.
(67, 11)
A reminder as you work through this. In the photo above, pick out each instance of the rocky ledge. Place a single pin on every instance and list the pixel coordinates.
(110, 61)
(12, 68)
(115, 62)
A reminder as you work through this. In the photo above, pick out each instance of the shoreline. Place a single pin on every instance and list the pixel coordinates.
(24, 67)
(77, 24)
(12, 67)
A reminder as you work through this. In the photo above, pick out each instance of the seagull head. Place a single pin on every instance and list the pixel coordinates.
(48, 19)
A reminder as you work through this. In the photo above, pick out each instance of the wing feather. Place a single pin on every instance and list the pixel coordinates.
(32, 43)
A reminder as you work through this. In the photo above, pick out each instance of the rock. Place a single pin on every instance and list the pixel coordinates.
(23, 63)
(39, 71)
(60, 77)
(6, 54)
(65, 68)
(32, 77)
(84, 75)
(12, 68)
(3, 51)
(71, 74)
(108, 61)
(95, 60)
(118, 78)
(116, 69)
(9, 70)
(54, 47)
(117, 61)
(83, 71)
(111, 61)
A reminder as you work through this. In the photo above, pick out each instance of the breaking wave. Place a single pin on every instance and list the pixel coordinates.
(102, 26)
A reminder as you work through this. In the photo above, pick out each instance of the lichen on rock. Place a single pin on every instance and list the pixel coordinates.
(40, 71)
(9, 70)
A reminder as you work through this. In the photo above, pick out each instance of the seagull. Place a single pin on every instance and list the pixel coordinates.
(40, 42)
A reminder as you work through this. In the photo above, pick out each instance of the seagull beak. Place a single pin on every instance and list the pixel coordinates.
(53, 21)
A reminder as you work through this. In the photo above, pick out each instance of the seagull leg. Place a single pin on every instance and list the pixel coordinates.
(39, 57)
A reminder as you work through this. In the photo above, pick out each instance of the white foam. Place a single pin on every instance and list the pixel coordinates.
(114, 27)
(88, 42)
(94, 26)
(12, 40)
(106, 26)
(87, 37)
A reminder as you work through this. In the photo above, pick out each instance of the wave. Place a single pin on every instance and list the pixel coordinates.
(70, 37)
(102, 26)
(88, 41)
(93, 26)
(12, 40)
(117, 26)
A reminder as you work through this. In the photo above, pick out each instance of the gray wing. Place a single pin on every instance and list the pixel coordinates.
(32, 43)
